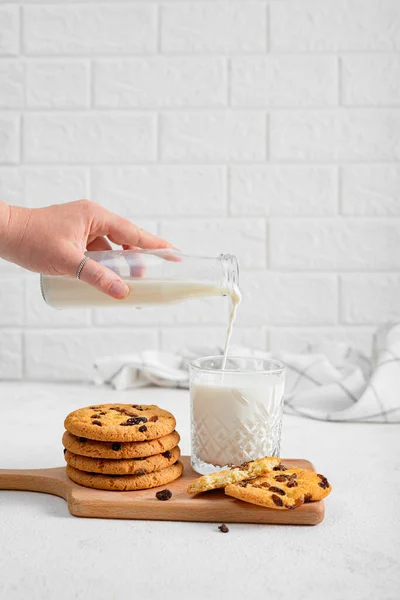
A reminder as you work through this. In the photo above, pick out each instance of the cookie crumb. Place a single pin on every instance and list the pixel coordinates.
(164, 495)
(223, 528)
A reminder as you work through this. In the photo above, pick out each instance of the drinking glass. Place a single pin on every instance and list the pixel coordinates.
(236, 413)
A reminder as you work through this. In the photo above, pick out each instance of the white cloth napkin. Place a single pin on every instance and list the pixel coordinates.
(333, 382)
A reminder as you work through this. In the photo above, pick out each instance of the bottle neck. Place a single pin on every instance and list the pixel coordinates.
(230, 268)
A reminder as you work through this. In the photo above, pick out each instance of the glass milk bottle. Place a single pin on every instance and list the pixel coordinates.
(154, 277)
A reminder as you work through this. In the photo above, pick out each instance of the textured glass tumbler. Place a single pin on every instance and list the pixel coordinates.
(236, 414)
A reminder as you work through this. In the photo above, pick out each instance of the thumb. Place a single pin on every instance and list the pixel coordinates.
(104, 280)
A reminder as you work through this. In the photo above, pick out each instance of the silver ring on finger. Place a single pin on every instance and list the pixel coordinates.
(81, 265)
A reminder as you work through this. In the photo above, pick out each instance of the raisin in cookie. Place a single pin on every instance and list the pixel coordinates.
(285, 490)
(125, 483)
(125, 466)
(224, 478)
(117, 450)
(120, 422)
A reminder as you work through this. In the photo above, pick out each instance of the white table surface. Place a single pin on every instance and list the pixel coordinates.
(45, 553)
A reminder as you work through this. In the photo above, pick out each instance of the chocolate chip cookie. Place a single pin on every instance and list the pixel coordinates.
(117, 450)
(223, 478)
(125, 466)
(125, 483)
(120, 422)
(288, 489)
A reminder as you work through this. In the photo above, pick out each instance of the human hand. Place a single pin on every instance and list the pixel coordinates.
(53, 241)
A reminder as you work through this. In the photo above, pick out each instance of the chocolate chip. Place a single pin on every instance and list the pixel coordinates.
(242, 467)
(134, 421)
(277, 500)
(95, 416)
(261, 486)
(292, 484)
(142, 429)
(141, 420)
(140, 472)
(167, 454)
(103, 413)
(82, 440)
(97, 423)
(307, 498)
(95, 407)
(223, 528)
(281, 478)
(137, 407)
(293, 476)
(123, 411)
(116, 447)
(298, 502)
(280, 467)
(153, 419)
(277, 490)
(64, 450)
(321, 484)
(164, 495)
(324, 480)
(243, 484)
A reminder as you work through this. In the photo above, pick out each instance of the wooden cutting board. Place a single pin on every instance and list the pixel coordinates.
(212, 506)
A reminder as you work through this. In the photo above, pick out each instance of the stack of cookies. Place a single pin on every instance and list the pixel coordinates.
(122, 447)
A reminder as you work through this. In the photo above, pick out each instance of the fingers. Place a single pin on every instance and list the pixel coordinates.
(99, 243)
(104, 280)
(129, 235)
(120, 231)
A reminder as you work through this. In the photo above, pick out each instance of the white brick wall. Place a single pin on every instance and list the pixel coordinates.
(160, 82)
(265, 128)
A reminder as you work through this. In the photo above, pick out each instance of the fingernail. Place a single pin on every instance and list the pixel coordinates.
(119, 289)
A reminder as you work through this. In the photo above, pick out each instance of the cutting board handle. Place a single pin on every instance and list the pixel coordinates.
(33, 480)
